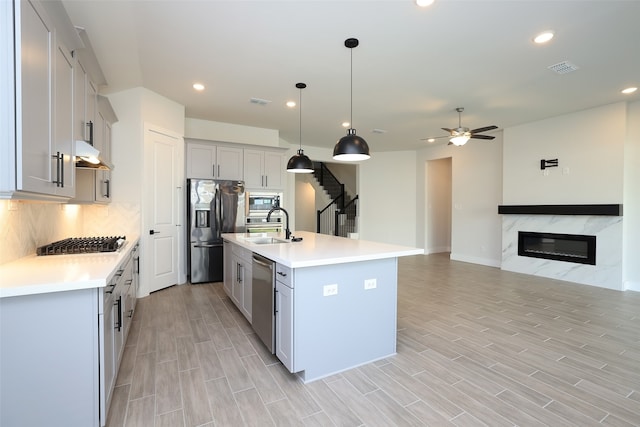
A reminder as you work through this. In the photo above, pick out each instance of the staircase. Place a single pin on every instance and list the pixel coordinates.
(338, 218)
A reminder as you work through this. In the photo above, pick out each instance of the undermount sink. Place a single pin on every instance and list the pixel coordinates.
(265, 240)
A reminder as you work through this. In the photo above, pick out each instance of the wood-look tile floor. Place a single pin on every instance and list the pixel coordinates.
(476, 346)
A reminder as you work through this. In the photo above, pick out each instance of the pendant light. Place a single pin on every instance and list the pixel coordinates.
(351, 148)
(299, 163)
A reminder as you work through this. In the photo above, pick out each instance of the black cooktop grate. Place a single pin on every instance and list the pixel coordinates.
(82, 245)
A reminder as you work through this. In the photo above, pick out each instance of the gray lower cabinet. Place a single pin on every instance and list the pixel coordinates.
(49, 359)
(237, 277)
(60, 353)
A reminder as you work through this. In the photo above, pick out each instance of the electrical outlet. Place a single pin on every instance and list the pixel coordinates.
(370, 284)
(329, 290)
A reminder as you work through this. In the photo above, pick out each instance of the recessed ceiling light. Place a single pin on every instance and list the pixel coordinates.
(431, 140)
(346, 124)
(198, 86)
(291, 104)
(629, 90)
(543, 37)
(424, 3)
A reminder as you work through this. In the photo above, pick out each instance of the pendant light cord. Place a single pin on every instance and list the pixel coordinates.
(300, 110)
(351, 112)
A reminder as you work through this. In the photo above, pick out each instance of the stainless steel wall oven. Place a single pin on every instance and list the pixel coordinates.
(258, 204)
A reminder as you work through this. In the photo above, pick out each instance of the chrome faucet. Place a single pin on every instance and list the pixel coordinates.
(287, 232)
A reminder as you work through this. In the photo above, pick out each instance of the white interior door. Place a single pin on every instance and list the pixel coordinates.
(162, 186)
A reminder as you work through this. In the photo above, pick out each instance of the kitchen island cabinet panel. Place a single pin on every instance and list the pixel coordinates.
(45, 341)
(353, 327)
(284, 325)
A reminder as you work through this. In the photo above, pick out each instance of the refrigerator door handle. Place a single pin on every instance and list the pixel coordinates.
(215, 245)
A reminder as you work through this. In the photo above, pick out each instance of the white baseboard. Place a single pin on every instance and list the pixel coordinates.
(631, 286)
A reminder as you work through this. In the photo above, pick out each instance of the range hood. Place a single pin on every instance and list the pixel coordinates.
(88, 157)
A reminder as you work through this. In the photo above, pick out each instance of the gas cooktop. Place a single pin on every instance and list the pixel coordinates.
(82, 245)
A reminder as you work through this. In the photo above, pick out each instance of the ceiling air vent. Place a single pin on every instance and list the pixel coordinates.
(259, 101)
(563, 67)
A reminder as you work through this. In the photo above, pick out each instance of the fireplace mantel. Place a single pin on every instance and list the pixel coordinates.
(605, 210)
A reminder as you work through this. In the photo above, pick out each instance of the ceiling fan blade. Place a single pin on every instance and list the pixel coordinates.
(450, 143)
(484, 129)
(482, 136)
(448, 130)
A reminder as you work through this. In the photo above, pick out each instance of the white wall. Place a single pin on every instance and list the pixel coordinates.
(476, 169)
(305, 204)
(135, 108)
(631, 218)
(601, 148)
(589, 148)
(227, 132)
(387, 203)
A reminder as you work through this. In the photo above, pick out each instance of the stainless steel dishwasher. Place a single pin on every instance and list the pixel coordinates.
(263, 300)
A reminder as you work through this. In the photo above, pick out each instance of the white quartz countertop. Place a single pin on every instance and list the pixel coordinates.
(320, 249)
(33, 274)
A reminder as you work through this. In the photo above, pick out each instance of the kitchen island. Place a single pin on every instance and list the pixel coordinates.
(336, 299)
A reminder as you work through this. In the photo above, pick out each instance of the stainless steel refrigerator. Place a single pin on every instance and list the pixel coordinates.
(215, 207)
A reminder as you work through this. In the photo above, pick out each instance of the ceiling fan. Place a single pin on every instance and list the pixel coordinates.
(460, 135)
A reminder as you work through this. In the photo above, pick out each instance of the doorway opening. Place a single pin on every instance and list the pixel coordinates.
(438, 200)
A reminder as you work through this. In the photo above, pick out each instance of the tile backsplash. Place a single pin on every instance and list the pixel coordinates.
(26, 225)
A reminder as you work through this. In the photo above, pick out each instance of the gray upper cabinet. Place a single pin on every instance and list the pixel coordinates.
(209, 161)
(63, 135)
(264, 169)
(37, 110)
(105, 117)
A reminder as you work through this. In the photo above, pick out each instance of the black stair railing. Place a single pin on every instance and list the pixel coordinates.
(339, 216)
(345, 221)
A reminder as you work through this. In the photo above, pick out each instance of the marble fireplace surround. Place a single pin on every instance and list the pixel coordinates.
(601, 220)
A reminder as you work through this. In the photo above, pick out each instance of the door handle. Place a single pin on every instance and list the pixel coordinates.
(153, 232)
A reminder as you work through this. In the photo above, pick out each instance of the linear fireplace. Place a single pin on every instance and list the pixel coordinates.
(575, 248)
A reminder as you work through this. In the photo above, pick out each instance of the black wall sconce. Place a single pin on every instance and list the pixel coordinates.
(553, 163)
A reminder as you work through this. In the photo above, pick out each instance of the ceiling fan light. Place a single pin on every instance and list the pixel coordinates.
(459, 140)
(299, 163)
(351, 148)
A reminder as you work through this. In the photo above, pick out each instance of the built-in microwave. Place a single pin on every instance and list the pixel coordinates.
(259, 203)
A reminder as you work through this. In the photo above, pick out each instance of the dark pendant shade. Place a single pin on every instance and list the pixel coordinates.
(351, 148)
(299, 163)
